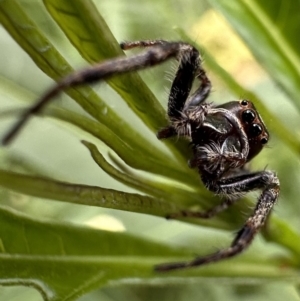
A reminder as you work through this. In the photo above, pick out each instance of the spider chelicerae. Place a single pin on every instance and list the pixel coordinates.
(224, 138)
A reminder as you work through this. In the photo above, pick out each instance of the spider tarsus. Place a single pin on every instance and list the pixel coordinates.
(166, 267)
(33, 110)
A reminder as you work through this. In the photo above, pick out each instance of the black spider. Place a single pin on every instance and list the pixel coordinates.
(224, 138)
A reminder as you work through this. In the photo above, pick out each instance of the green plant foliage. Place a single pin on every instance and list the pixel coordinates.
(120, 165)
(273, 30)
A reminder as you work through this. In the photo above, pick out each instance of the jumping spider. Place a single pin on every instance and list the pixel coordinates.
(224, 138)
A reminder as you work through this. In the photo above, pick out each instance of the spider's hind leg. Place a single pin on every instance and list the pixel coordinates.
(265, 180)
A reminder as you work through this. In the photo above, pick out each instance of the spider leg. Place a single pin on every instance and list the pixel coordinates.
(142, 44)
(189, 69)
(180, 104)
(265, 180)
(158, 53)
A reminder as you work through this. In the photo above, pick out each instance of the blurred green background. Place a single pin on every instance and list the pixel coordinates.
(53, 148)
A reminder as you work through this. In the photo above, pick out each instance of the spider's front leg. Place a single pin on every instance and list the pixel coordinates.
(158, 52)
(265, 180)
(185, 110)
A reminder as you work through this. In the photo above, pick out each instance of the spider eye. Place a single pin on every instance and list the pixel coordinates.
(264, 140)
(255, 130)
(244, 102)
(248, 116)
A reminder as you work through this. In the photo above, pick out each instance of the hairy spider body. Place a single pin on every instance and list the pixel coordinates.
(224, 138)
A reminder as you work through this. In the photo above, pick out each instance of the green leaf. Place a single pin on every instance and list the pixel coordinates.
(30, 38)
(28, 35)
(271, 31)
(88, 32)
(85, 195)
(151, 187)
(46, 255)
(141, 161)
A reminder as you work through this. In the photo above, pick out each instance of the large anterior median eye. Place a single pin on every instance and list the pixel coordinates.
(255, 130)
(248, 116)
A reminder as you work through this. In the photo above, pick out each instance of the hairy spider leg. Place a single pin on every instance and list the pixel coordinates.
(189, 69)
(265, 180)
(158, 53)
(180, 101)
(143, 44)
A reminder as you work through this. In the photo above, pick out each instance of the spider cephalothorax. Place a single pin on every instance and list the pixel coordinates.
(218, 143)
(224, 137)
